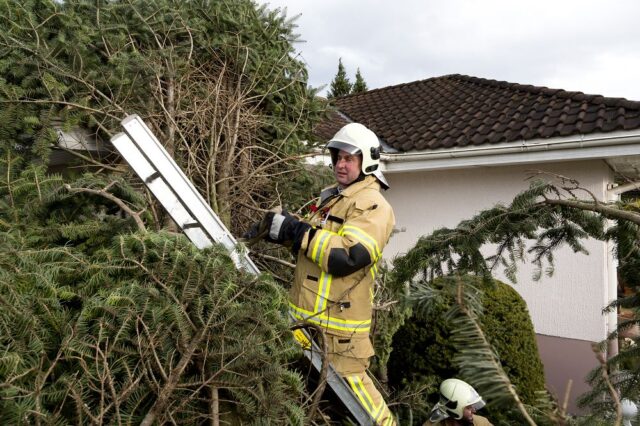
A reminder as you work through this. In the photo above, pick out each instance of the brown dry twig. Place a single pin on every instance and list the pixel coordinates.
(120, 203)
(605, 376)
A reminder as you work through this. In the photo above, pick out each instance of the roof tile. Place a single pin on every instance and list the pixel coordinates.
(457, 110)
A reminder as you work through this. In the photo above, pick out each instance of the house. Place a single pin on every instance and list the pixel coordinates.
(455, 145)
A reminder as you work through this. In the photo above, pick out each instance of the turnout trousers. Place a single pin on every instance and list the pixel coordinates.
(350, 358)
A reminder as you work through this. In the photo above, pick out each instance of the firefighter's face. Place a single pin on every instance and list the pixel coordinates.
(467, 415)
(347, 168)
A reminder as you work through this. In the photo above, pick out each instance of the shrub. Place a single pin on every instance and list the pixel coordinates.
(423, 351)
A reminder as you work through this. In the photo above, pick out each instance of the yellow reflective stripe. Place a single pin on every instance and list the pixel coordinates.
(324, 287)
(302, 339)
(361, 393)
(322, 239)
(374, 270)
(365, 398)
(353, 326)
(324, 315)
(382, 408)
(389, 421)
(331, 325)
(364, 238)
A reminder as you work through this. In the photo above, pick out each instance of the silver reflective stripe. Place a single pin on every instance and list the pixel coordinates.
(323, 292)
(353, 326)
(276, 224)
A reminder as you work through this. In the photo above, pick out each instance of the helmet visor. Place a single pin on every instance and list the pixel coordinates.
(438, 413)
(351, 149)
(478, 405)
(475, 400)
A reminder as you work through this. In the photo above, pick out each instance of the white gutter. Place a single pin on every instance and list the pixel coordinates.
(536, 150)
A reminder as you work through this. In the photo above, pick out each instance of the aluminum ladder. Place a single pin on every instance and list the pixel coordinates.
(167, 182)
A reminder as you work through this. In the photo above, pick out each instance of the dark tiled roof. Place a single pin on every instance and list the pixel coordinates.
(458, 110)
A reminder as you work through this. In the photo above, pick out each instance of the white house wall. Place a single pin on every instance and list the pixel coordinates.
(567, 305)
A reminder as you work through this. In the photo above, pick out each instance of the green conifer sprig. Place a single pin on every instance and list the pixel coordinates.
(528, 217)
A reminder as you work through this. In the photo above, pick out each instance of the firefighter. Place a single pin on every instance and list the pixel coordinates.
(458, 404)
(338, 247)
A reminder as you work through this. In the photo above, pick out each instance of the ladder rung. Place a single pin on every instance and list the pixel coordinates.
(155, 175)
(191, 225)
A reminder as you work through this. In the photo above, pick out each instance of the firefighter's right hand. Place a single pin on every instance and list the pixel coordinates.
(278, 226)
(253, 234)
(272, 228)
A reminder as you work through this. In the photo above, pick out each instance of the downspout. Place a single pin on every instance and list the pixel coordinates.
(612, 288)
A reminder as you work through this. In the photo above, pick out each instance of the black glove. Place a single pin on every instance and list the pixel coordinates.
(254, 232)
(284, 229)
(279, 228)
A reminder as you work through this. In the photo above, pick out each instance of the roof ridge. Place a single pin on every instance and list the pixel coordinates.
(503, 84)
(544, 90)
(395, 86)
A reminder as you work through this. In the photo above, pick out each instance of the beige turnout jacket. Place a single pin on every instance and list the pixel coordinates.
(337, 259)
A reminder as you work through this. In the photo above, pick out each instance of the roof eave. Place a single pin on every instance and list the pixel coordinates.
(576, 147)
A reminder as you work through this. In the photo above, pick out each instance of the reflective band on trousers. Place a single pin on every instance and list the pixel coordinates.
(367, 402)
(328, 322)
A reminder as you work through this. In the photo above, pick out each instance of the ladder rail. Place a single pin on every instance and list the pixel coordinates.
(186, 206)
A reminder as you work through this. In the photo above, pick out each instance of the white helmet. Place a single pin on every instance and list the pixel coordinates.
(355, 138)
(455, 395)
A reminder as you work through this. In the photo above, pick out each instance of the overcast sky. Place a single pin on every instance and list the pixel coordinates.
(587, 45)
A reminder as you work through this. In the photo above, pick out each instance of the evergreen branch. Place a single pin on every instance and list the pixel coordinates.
(60, 102)
(140, 320)
(103, 193)
(166, 288)
(44, 58)
(609, 212)
(274, 259)
(173, 380)
(322, 380)
(481, 351)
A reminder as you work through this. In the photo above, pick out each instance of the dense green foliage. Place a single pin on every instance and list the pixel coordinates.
(103, 320)
(145, 327)
(341, 86)
(217, 81)
(424, 351)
